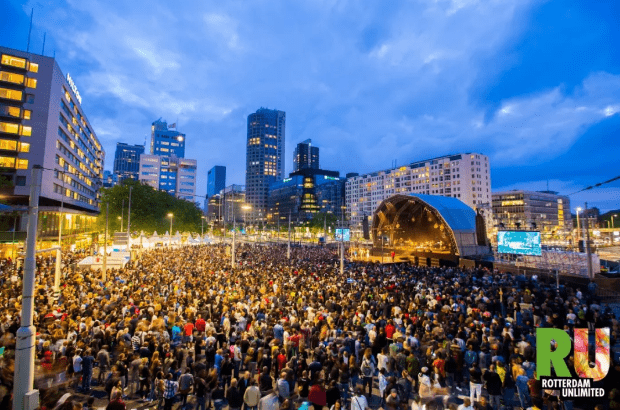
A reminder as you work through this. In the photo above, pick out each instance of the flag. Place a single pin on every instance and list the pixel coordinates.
(172, 125)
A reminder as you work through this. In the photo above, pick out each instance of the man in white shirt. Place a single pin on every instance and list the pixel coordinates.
(269, 402)
(358, 401)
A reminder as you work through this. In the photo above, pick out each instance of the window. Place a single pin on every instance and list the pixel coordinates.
(22, 163)
(33, 67)
(11, 77)
(31, 82)
(26, 130)
(13, 61)
(27, 114)
(11, 94)
(20, 180)
(24, 147)
(7, 162)
(8, 145)
(9, 128)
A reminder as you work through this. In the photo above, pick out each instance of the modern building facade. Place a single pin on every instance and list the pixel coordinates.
(42, 122)
(110, 179)
(177, 176)
(305, 193)
(127, 160)
(305, 156)
(264, 158)
(232, 200)
(216, 180)
(166, 142)
(545, 211)
(465, 176)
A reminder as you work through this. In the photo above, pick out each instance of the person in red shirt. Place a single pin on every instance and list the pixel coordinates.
(293, 341)
(201, 325)
(440, 365)
(281, 360)
(188, 330)
(389, 330)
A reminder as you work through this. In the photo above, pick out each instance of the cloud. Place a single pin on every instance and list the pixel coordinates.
(368, 82)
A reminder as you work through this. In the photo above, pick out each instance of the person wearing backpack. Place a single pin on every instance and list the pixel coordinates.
(367, 369)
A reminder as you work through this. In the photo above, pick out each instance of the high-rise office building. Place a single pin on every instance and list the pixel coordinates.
(463, 176)
(306, 156)
(165, 141)
(177, 176)
(42, 122)
(216, 180)
(127, 160)
(264, 159)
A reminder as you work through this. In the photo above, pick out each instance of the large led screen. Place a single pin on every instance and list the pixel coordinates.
(519, 242)
(343, 235)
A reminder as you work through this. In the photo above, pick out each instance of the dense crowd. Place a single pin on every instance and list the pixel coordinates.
(179, 328)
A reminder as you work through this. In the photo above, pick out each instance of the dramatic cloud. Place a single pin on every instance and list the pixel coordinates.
(369, 82)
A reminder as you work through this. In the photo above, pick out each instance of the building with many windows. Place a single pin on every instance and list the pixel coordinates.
(545, 211)
(177, 176)
(305, 193)
(166, 142)
(216, 181)
(42, 122)
(264, 158)
(127, 160)
(232, 202)
(464, 176)
(305, 156)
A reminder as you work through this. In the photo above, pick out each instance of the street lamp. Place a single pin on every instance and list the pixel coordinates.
(245, 209)
(170, 215)
(612, 220)
(578, 209)
(202, 227)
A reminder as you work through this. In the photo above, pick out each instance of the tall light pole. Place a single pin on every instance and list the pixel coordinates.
(612, 220)
(245, 209)
(288, 250)
(129, 222)
(122, 215)
(105, 243)
(578, 209)
(587, 221)
(24, 396)
(202, 227)
(170, 215)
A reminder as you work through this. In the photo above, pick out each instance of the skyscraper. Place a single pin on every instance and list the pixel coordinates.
(305, 156)
(127, 160)
(166, 142)
(264, 158)
(216, 180)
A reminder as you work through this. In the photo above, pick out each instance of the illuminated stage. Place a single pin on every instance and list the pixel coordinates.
(427, 229)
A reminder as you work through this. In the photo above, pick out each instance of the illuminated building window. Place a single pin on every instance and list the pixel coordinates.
(9, 128)
(11, 94)
(22, 163)
(7, 162)
(27, 114)
(13, 61)
(33, 67)
(11, 77)
(31, 82)
(26, 131)
(8, 145)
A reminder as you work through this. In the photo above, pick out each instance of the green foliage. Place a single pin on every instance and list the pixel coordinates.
(149, 210)
(318, 221)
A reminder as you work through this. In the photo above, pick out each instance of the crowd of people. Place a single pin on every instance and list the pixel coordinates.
(181, 328)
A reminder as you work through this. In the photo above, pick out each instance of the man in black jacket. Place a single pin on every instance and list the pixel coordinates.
(494, 386)
(265, 382)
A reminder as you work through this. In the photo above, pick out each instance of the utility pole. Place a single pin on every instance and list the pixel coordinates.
(129, 222)
(588, 253)
(24, 396)
(122, 214)
(105, 244)
(288, 250)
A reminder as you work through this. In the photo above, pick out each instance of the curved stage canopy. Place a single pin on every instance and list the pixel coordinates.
(426, 224)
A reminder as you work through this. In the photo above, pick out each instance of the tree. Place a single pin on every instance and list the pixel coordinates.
(149, 209)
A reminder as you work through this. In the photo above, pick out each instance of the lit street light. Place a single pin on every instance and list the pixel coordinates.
(612, 220)
(202, 227)
(170, 215)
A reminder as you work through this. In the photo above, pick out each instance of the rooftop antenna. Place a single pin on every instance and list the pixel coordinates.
(30, 30)
(43, 50)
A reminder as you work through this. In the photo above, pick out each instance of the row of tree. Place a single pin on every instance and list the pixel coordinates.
(149, 210)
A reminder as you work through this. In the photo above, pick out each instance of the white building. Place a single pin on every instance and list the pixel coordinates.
(177, 176)
(463, 176)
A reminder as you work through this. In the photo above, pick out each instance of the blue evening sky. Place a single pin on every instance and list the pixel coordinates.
(533, 84)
